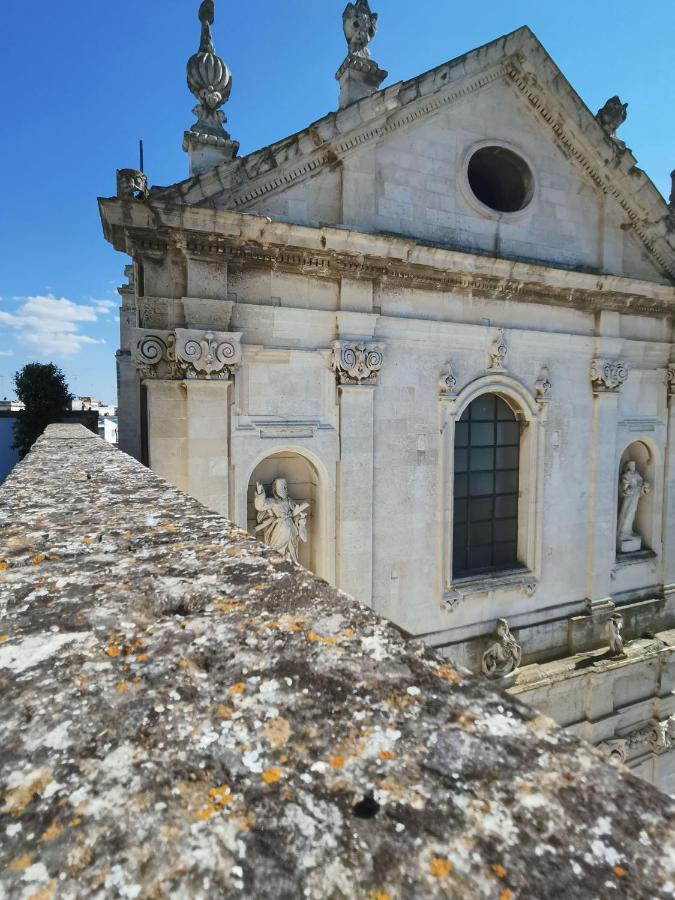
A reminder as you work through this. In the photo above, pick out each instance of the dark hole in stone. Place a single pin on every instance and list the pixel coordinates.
(500, 179)
(367, 808)
(648, 636)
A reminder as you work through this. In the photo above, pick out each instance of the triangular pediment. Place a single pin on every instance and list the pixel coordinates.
(397, 162)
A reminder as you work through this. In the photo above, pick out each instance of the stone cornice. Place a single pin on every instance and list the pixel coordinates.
(243, 239)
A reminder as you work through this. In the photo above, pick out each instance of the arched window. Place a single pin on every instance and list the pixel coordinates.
(485, 489)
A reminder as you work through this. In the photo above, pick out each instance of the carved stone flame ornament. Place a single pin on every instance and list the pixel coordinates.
(210, 81)
(542, 386)
(608, 375)
(187, 353)
(132, 184)
(357, 363)
(448, 383)
(497, 352)
(503, 656)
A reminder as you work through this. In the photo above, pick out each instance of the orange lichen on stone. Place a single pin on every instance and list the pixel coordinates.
(226, 606)
(122, 686)
(447, 673)
(21, 862)
(48, 892)
(271, 776)
(18, 799)
(141, 657)
(223, 712)
(183, 663)
(387, 754)
(378, 895)
(3, 638)
(219, 798)
(440, 867)
(113, 650)
(38, 559)
(3, 565)
(619, 871)
(50, 833)
(88, 539)
(506, 894)
(499, 871)
(237, 688)
(277, 731)
(330, 638)
(337, 762)
(78, 858)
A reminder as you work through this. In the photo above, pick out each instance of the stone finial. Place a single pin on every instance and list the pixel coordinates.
(671, 199)
(611, 116)
(359, 76)
(360, 25)
(210, 81)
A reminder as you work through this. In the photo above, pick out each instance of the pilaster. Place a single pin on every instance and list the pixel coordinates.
(207, 438)
(167, 426)
(669, 493)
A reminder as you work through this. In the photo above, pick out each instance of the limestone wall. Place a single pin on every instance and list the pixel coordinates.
(186, 715)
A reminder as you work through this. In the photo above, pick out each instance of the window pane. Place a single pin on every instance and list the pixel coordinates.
(482, 458)
(480, 557)
(482, 434)
(480, 533)
(461, 434)
(505, 554)
(506, 530)
(506, 506)
(506, 482)
(460, 485)
(480, 509)
(507, 433)
(507, 457)
(504, 411)
(483, 408)
(481, 483)
(459, 511)
(461, 459)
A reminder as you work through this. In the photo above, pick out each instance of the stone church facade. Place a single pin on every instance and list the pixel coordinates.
(443, 316)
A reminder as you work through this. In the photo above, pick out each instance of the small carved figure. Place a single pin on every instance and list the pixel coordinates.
(503, 656)
(131, 183)
(448, 382)
(283, 522)
(360, 25)
(498, 352)
(632, 486)
(613, 114)
(615, 634)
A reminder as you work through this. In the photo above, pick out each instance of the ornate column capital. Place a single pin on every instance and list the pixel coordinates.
(187, 353)
(608, 375)
(357, 362)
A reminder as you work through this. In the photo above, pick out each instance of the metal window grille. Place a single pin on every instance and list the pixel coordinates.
(485, 527)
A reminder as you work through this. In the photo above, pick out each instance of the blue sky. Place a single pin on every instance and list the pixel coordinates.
(81, 82)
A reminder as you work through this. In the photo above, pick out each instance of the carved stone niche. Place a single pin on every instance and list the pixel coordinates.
(357, 362)
(608, 375)
(187, 353)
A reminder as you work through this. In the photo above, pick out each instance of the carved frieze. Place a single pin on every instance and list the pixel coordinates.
(608, 375)
(186, 353)
(357, 362)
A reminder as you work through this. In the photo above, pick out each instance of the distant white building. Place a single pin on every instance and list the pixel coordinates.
(11, 405)
(107, 429)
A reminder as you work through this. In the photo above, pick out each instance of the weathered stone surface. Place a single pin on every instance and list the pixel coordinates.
(187, 715)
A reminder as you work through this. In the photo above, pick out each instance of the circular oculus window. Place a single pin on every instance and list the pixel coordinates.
(500, 179)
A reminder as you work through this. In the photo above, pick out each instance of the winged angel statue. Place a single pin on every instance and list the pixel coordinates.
(360, 25)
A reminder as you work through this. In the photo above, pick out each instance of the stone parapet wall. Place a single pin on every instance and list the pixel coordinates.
(186, 715)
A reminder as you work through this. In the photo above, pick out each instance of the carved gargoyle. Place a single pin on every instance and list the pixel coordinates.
(613, 114)
(132, 184)
(360, 25)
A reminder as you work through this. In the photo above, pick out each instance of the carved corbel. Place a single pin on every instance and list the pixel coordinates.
(615, 750)
(155, 355)
(608, 375)
(447, 384)
(357, 362)
(207, 354)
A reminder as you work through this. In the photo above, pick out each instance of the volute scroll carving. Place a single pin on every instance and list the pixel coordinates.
(608, 375)
(357, 362)
(187, 353)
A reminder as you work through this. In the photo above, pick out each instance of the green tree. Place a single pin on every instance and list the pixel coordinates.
(42, 388)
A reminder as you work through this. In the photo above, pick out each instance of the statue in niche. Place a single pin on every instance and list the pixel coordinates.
(632, 487)
(360, 25)
(615, 634)
(282, 522)
(503, 656)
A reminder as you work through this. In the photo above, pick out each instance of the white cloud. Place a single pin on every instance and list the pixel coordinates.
(53, 325)
(6, 353)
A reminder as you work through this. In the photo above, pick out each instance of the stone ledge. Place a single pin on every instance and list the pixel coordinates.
(185, 714)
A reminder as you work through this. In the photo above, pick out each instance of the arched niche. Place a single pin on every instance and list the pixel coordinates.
(304, 486)
(647, 520)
